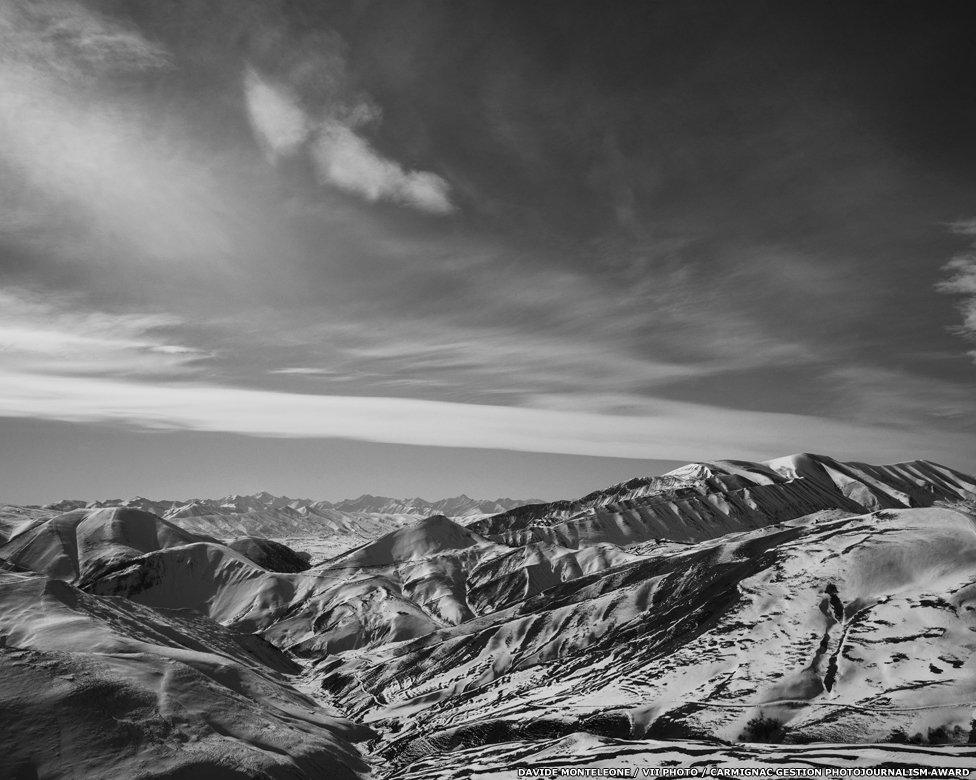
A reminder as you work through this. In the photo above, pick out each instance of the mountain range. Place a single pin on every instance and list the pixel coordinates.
(320, 529)
(459, 506)
(801, 612)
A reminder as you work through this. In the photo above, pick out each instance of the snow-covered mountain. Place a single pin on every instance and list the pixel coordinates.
(587, 751)
(458, 506)
(321, 528)
(704, 500)
(682, 618)
(108, 688)
(840, 628)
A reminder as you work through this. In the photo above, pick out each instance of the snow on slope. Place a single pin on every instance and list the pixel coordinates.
(517, 574)
(269, 554)
(918, 483)
(674, 607)
(401, 586)
(502, 761)
(83, 543)
(844, 628)
(131, 553)
(407, 584)
(315, 528)
(417, 580)
(705, 500)
(320, 528)
(91, 687)
(404, 585)
(459, 506)
(14, 519)
(211, 579)
(420, 540)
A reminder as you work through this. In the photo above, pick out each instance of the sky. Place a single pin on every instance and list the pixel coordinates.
(500, 248)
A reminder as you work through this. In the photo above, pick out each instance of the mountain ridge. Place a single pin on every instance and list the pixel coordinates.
(707, 499)
(454, 506)
(837, 599)
(319, 529)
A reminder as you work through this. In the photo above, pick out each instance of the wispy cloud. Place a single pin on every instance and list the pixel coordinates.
(278, 121)
(52, 336)
(676, 430)
(961, 280)
(897, 397)
(87, 175)
(304, 371)
(66, 36)
(346, 160)
(581, 283)
(341, 155)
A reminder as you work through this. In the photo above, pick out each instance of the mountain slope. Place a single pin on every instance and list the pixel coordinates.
(843, 628)
(585, 751)
(320, 528)
(269, 554)
(106, 688)
(838, 599)
(705, 500)
(83, 543)
(405, 584)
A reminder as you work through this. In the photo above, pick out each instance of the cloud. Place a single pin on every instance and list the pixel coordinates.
(106, 177)
(962, 281)
(677, 430)
(498, 360)
(47, 336)
(347, 161)
(276, 117)
(896, 396)
(341, 156)
(303, 371)
(87, 176)
(66, 36)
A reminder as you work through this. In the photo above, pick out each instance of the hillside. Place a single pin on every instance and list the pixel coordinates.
(322, 529)
(704, 500)
(655, 620)
(842, 628)
(94, 687)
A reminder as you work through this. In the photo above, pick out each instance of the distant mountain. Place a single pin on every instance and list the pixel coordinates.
(320, 528)
(459, 506)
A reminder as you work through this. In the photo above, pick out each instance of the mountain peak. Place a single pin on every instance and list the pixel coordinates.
(421, 539)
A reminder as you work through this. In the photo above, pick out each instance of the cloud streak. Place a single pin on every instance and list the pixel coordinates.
(47, 337)
(277, 119)
(676, 430)
(341, 156)
(66, 35)
(633, 269)
(962, 281)
(86, 176)
(346, 160)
